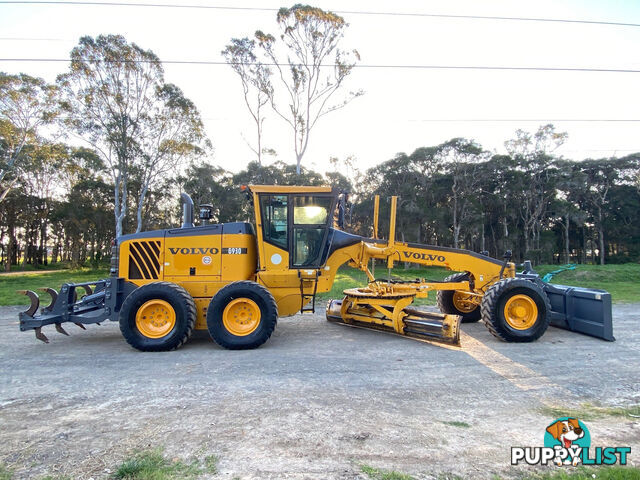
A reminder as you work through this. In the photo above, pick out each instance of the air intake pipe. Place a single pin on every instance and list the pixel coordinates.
(187, 211)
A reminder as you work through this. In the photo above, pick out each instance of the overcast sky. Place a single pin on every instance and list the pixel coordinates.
(402, 109)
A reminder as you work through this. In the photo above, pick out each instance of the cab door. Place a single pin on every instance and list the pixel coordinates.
(310, 217)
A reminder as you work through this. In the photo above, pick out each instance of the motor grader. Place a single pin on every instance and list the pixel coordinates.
(236, 279)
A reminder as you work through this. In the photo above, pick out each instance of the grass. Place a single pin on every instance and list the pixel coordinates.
(380, 474)
(621, 281)
(153, 465)
(588, 411)
(5, 473)
(348, 277)
(456, 423)
(582, 473)
(211, 464)
(34, 280)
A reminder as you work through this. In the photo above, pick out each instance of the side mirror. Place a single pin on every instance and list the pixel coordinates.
(343, 205)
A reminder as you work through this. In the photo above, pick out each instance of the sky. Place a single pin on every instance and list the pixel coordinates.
(402, 109)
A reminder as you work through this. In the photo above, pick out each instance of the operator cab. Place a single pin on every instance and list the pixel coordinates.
(297, 221)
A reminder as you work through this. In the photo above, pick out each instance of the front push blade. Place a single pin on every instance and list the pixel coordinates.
(581, 310)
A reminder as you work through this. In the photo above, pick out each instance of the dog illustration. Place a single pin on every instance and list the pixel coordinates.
(566, 432)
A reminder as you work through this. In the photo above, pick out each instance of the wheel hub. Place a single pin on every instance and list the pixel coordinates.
(463, 302)
(155, 318)
(241, 316)
(521, 312)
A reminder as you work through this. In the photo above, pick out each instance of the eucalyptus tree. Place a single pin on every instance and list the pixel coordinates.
(26, 104)
(600, 177)
(107, 94)
(309, 67)
(170, 133)
(460, 159)
(534, 162)
(256, 84)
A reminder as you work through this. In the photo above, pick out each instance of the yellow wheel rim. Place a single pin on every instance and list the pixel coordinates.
(241, 316)
(521, 312)
(155, 318)
(462, 303)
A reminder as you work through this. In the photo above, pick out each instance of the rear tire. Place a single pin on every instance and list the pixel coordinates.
(447, 302)
(175, 317)
(242, 315)
(516, 310)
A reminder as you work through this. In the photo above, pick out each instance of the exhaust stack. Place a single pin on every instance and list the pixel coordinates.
(187, 211)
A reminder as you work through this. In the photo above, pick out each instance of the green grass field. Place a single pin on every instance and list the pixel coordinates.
(348, 277)
(32, 280)
(622, 281)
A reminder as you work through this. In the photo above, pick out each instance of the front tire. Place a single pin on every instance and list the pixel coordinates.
(516, 310)
(242, 315)
(453, 303)
(157, 317)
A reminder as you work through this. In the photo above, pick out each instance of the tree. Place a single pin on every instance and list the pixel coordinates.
(600, 177)
(309, 43)
(26, 103)
(171, 132)
(535, 166)
(460, 157)
(545, 139)
(256, 85)
(108, 93)
(570, 181)
(210, 184)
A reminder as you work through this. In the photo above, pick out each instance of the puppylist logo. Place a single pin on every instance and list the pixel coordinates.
(567, 442)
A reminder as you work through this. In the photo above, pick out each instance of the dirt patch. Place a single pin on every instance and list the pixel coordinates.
(317, 401)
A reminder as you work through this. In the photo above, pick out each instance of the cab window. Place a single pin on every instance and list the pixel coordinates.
(310, 215)
(273, 209)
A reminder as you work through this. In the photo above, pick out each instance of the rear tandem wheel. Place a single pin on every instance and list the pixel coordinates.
(453, 301)
(242, 315)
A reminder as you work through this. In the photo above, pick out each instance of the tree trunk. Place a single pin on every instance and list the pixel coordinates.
(11, 246)
(600, 236)
(120, 205)
(566, 239)
(143, 194)
(601, 244)
(505, 233)
(298, 163)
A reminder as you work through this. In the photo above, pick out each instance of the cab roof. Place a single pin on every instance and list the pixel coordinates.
(288, 189)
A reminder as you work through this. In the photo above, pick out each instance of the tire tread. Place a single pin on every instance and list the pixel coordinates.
(183, 295)
(444, 300)
(489, 309)
(266, 296)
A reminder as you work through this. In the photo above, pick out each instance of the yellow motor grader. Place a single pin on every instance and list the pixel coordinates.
(236, 279)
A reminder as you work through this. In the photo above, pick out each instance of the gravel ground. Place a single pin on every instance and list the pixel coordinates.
(317, 401)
